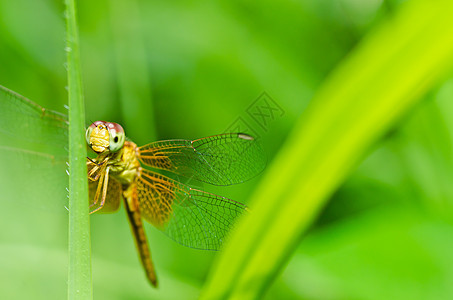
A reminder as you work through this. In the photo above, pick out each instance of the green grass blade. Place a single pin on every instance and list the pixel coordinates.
(79, 282)
(382, 79)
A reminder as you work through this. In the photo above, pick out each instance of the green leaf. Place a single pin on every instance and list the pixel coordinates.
(79, 281)
(382, 79)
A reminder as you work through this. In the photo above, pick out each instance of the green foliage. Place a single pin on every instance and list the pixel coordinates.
(133, 76)
(373, 229)
(353, 109)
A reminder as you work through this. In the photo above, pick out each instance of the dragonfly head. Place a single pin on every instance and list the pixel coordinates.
(104, 136)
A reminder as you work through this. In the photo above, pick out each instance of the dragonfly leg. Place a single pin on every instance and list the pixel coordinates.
(101, 191)
(93, 173)
(104, 190)
(98, 192)
(92, 160)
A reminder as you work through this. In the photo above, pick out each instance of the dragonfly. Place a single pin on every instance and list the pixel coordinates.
(33, 143)
(190, 216)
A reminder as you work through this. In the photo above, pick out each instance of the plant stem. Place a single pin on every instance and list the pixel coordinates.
(79, 281)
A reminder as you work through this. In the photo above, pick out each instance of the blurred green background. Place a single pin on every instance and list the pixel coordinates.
(188, 69)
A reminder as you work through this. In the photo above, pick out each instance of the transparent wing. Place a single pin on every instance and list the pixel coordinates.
(26, 125)
(191, 217)
(223, 159)
(33, 153)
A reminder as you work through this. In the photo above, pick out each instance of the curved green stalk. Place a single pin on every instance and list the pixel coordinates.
(380, 81)
(79, 281)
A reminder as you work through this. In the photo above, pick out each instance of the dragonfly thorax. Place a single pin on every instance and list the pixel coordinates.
(124, 165)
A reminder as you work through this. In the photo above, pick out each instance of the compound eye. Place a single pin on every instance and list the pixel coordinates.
(117, 136)
(90, 130)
